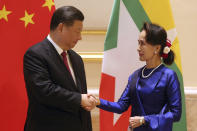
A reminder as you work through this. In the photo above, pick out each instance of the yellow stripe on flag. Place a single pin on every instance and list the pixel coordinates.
(175, 47)
(159, 12)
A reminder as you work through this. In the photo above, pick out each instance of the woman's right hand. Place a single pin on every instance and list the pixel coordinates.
(96, 102)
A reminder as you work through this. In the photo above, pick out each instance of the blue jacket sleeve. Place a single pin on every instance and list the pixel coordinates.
(120, 106)
(164, 120)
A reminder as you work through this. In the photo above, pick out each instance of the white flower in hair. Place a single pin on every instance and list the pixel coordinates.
(166, 50)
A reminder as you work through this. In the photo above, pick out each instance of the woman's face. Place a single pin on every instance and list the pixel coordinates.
(146, 51)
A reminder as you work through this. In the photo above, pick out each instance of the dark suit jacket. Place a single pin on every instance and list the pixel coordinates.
(54, 98)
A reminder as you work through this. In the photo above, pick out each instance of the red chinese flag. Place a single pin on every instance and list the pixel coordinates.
(22, 24)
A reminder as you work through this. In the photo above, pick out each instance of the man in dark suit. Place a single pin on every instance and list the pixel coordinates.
(55, 78)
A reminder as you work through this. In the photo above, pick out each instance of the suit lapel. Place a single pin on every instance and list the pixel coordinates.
(75, 69)
(56, 58)
(53, 54)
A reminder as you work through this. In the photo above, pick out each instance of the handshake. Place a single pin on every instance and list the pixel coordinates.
(89, 101)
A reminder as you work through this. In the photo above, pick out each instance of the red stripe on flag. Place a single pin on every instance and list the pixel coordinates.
(107, 92)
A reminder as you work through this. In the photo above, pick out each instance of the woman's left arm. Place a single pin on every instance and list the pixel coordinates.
(174, 98)
(165, 120)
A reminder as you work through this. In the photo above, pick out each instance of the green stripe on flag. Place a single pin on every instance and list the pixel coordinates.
(137, 12)
(181, 125)
(112, 33)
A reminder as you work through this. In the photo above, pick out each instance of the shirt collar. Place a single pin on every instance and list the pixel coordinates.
(58, 49)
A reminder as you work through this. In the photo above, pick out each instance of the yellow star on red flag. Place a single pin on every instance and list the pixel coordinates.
(4, 13)
(27, 18)
(49, 4)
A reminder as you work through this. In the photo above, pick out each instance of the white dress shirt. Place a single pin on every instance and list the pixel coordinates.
(59, 50)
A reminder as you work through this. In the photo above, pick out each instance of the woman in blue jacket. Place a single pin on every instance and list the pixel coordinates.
(153, 91)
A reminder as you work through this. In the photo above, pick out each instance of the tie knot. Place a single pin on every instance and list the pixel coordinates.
(63, 54)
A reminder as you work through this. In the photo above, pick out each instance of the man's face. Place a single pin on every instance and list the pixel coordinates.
(71, 34)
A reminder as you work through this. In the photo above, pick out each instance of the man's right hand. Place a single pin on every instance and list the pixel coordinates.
(87, 101)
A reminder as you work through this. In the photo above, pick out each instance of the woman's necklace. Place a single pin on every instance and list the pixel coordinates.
(143, 76)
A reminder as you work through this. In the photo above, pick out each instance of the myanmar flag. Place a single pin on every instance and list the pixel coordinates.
(22, 24)
(121, 57)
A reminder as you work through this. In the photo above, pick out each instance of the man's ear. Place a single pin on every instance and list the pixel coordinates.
(60, 27)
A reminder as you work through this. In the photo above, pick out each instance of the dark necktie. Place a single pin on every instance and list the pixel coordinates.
(63, 54)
